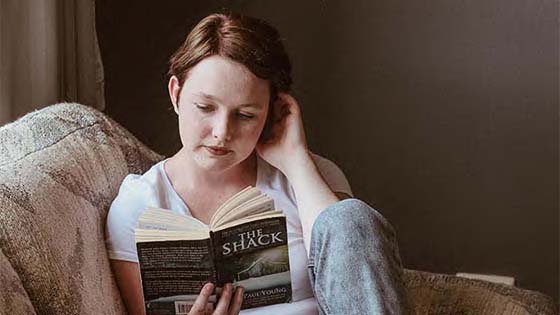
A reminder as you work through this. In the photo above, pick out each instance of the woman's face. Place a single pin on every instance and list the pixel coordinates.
(222, 110)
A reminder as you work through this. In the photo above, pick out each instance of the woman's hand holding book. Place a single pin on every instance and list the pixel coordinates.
(229, 303)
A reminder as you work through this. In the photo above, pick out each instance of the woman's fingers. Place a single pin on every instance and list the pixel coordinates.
(225, 298)
(291, 105)
(199, 306)
(229, 303)
(280, 110)
(236, 301)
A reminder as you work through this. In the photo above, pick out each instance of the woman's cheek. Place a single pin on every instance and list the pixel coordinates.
(192, 130)
(260, 126)
(251, 137)
(203, 130)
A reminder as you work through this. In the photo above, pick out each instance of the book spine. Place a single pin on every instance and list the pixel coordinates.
(218, 281)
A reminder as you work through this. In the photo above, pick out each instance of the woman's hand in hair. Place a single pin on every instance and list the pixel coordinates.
(287, 150)
(287, 144)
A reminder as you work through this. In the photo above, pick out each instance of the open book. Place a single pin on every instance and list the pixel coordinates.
(246, 243)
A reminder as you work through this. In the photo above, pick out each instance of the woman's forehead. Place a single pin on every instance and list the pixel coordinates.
(221, 68)
(216, 78)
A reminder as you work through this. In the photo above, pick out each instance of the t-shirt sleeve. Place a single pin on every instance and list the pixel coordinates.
(123, 216)
(332, 175)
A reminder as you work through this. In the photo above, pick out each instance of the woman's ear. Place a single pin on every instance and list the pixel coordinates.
(174, 89)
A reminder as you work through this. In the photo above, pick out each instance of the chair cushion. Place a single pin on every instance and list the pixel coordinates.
(60, 168)
(441, 294)
(14, 298)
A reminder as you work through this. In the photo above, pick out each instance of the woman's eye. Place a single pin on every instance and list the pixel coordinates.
(245, 116)
(203, 108)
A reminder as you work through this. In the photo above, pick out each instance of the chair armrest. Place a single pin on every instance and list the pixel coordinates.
(433, 293)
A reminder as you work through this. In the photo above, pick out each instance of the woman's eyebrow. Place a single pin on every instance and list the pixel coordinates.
(207, 96)
(215, 99)
(254, 105)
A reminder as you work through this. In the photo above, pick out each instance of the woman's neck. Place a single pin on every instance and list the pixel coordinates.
(236, 177)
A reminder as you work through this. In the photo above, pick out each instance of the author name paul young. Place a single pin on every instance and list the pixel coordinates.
(251, 239)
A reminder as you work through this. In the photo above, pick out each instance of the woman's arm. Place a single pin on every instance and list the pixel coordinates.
(313, 194)
(287, 150)
(127, 275)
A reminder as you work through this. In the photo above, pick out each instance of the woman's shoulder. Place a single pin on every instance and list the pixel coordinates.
(329, 170)
(135, 194)
(333, 175)
(323, 164)
(144, 183)
(137, 191)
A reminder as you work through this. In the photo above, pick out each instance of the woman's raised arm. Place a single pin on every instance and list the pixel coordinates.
(287, 150)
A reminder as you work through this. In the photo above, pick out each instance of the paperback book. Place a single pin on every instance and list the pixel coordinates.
(245, 243)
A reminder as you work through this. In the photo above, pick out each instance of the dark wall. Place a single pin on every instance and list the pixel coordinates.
(443, 114)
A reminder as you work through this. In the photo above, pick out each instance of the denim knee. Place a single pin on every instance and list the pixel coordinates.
(349, 216)
(354, 257)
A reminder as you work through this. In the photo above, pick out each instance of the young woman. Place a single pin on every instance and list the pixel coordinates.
(229, 85)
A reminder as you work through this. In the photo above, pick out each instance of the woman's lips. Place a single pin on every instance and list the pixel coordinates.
(218, 151)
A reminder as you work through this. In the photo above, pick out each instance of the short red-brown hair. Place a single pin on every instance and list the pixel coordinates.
(249, 41)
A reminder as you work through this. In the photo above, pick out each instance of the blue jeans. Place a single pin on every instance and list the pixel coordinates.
(354, 263)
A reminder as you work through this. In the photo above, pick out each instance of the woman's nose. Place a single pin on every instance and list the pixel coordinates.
(222, 128)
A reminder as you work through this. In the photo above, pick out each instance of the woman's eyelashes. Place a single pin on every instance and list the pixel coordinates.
(245, 116)
(205, 108)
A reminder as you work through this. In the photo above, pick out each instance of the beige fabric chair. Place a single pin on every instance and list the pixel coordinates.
(60, 168)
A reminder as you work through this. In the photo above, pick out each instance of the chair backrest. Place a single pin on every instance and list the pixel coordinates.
(60, 168)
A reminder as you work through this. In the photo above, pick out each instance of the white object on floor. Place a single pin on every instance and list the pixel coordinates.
(490, 278)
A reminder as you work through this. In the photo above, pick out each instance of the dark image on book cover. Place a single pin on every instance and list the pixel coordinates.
(255, 256)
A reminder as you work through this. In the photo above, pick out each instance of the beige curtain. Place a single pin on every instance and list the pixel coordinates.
(48, 54)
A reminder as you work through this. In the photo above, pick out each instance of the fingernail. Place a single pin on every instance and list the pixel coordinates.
(208, 286)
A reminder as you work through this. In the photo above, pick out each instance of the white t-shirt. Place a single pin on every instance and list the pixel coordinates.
(154, 189)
